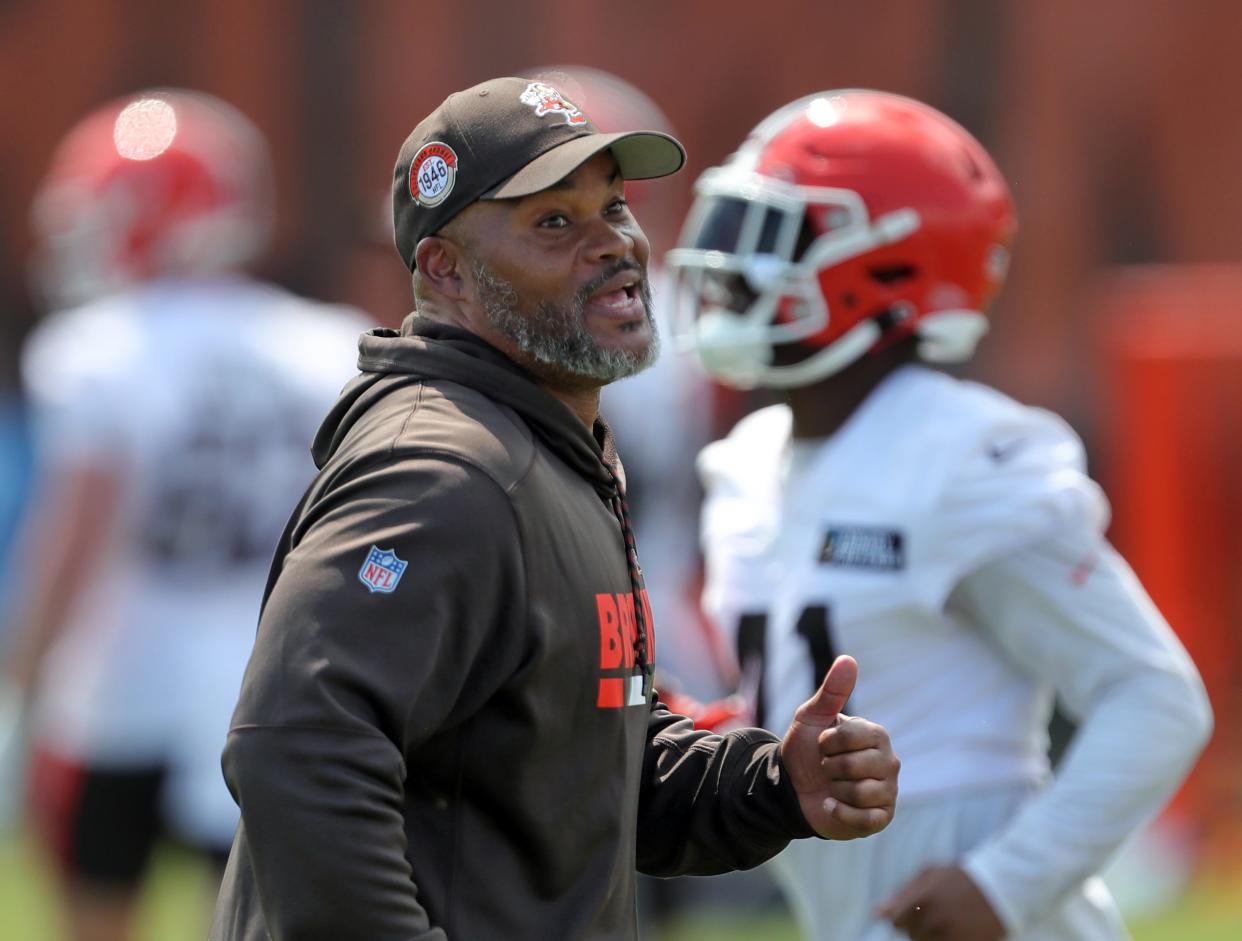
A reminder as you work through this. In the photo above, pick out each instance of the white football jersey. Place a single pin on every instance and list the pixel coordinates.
(950, 540)
(854, 543)
(203, 398)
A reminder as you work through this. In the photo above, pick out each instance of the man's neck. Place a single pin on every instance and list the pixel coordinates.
(581, 396)
(582, 402)
(819, 410)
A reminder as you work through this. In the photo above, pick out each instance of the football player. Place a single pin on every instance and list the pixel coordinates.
(944, 535)
(175, 400)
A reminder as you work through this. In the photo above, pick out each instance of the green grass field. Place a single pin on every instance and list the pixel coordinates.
(176, 905)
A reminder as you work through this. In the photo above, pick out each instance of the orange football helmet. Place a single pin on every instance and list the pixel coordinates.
(161, 183)
(846, 220)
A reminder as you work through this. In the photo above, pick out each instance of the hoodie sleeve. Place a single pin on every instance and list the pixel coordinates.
(369, 642)
(712, 803)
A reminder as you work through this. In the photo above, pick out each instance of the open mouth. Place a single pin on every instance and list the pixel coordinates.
(620, 297)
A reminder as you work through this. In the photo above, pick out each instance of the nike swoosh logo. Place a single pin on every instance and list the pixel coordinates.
(1003, 452)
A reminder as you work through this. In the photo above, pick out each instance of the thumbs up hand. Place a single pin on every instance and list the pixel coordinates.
(843, 768)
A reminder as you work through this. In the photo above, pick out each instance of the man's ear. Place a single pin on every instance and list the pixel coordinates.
(439, 262)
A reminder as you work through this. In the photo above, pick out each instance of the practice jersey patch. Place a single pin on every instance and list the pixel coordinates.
(382, 570)
(864, 547)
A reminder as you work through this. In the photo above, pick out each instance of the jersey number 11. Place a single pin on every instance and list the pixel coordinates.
(813, 627)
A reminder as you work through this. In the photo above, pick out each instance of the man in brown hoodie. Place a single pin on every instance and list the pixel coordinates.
(447, 729)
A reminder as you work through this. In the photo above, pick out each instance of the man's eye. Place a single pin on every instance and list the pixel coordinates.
(555, 221)
(617, 205)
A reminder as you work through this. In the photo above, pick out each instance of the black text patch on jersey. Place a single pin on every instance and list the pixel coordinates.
(864, 547)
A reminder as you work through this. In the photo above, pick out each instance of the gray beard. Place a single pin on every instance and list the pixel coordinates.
(555, 336)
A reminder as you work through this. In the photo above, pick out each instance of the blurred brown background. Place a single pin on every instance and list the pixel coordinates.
(1116, 123)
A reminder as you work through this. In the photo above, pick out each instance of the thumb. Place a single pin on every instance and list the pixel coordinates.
(833, 692)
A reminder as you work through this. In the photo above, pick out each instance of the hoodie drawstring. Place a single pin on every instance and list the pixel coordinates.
(642, 629)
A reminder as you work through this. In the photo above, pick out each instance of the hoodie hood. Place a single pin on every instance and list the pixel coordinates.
(426, 350)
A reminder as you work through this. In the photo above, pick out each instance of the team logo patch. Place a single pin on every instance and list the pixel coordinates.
(547, 100)
(382, 570)
(432, 174)
(864, 547)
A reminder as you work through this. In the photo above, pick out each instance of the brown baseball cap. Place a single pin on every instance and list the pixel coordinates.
(502, 139)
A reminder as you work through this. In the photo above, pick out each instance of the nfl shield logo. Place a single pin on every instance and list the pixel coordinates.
(382, 570)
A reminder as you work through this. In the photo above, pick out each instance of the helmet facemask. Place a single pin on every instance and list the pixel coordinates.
(747, 275)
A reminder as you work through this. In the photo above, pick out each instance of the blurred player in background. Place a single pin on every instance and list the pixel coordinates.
(174, 401)
(15, 471)
(16, 460)
(944, 535)
(663, 489)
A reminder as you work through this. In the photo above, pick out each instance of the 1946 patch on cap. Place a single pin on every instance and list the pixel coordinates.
(432, 174)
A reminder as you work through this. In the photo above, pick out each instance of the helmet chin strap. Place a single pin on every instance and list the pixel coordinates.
(950, 336)
(831, 359)
(740, 355)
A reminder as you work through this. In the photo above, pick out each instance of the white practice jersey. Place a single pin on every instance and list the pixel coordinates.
(203, 398)
(950, 540)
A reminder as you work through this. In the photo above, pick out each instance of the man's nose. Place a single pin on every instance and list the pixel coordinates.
(609, 242)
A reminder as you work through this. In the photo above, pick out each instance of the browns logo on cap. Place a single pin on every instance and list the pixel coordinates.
(547, 100)
(501, 140)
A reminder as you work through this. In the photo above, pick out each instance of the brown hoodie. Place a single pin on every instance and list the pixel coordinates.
(447, 728)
